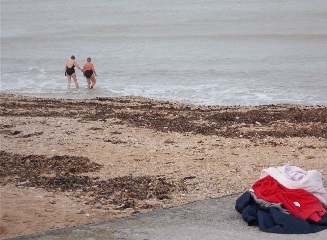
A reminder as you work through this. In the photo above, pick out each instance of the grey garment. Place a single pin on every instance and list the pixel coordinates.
(264, 203)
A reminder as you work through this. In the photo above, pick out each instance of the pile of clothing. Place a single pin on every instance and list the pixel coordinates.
(286, 199)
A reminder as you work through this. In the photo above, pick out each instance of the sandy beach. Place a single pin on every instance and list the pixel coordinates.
(70, 162)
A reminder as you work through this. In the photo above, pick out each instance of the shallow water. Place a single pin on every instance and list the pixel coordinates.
(223, 52)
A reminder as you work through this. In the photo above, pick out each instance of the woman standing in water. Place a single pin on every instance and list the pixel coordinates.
(89, 73)
(70, 71)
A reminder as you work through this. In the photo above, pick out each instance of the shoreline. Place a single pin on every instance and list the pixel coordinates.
(79, 94)
(181, 152)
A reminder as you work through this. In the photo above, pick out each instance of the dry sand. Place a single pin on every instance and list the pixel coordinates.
(70, 162)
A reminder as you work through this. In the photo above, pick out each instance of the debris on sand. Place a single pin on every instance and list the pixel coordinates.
(64, 173)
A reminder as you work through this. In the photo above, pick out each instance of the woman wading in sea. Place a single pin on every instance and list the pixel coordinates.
(89, 73)
(70, 71)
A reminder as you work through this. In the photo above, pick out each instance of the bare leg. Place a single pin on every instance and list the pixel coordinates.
(69, 78)
(88, 82)
(75, 80)
(94, 81)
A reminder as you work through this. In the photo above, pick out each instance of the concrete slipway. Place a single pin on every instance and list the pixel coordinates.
(202, 220)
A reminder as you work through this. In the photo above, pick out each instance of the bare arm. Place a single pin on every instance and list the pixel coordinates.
(65, 69)
(93, 69)
(76, 65)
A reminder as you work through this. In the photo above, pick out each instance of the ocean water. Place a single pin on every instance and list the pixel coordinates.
(205, 52)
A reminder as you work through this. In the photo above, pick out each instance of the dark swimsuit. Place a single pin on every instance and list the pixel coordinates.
(70, 71)
(88, 73)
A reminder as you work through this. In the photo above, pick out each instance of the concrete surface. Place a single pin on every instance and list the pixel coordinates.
(202, 220)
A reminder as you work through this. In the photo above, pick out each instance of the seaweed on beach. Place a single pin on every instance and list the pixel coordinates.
(68, 174)
(34, 165)
(227, 121)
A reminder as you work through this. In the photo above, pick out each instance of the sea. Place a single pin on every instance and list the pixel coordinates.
(203, 52)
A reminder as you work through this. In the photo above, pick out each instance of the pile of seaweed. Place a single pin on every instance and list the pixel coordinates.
(69, 174)
(280, 121)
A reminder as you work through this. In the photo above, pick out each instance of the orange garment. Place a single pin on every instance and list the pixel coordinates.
(88, 66)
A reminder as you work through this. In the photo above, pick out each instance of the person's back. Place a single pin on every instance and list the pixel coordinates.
(89, 73)
(70, 63)
(70, 71)
(88, 66)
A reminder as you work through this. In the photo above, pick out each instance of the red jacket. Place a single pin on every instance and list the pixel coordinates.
(299, 202)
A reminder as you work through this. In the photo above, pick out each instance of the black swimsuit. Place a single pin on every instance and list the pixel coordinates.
(70, 71)
(88, 73)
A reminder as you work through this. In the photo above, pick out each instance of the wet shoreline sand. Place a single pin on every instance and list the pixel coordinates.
(69, 162)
